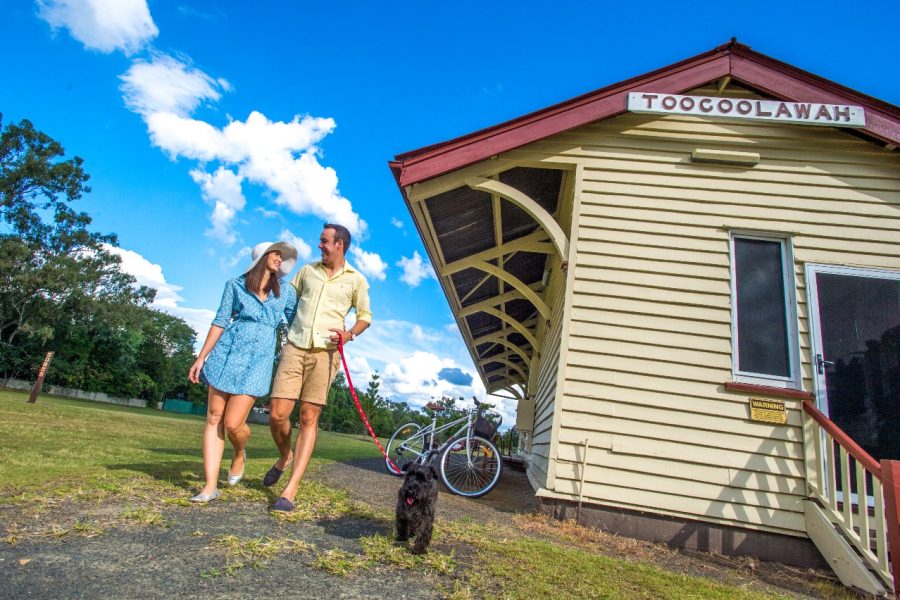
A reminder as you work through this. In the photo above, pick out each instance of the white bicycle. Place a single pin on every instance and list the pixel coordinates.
(469, 463)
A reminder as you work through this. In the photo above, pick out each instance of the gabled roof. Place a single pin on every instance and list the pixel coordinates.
(752, 69)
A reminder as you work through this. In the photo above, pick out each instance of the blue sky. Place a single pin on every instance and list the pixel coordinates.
(210, 126)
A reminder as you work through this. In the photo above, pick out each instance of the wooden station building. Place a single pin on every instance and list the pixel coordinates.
(690, 281)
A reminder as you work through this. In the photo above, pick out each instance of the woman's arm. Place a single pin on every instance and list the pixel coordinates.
(221, 320)
(290, 303)
(215, 332)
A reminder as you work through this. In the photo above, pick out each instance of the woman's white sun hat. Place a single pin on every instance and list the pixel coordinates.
(288, 255)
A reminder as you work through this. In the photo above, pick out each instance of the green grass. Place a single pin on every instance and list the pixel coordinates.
(60, 450)
(93, 450)
(560, 572)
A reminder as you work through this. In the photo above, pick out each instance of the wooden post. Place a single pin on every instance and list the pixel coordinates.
(581, 484)
(890, 481)
(39, 382)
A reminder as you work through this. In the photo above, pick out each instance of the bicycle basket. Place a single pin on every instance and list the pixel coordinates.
(487, 424)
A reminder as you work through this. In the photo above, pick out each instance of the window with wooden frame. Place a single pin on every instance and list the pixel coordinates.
(764, 338)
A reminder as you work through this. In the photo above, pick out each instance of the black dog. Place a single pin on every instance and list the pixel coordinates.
(415, 505)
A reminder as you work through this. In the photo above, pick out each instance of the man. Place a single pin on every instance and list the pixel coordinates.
(326, 291)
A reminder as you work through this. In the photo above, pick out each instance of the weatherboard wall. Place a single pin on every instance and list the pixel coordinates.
(545, 398)
(648, 345)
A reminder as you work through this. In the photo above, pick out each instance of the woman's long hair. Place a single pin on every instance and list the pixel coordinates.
(255, 277)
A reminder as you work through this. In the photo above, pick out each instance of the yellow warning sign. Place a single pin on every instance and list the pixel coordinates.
(768, 411)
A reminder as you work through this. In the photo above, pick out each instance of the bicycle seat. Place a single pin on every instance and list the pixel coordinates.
(434, 406)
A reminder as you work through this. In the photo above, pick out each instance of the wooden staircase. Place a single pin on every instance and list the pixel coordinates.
(853, 510)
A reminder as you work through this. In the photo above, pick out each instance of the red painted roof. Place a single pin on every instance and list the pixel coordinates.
(758, 71)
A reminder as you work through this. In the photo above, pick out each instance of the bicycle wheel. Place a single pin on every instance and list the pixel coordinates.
(471, 478)
(405, 446)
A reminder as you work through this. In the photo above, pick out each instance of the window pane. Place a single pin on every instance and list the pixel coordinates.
(762, 322)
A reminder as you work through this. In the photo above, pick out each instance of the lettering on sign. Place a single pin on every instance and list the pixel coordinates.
(768, 411)
(806, 113)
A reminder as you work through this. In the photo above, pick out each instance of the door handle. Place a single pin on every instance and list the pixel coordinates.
(821, 363)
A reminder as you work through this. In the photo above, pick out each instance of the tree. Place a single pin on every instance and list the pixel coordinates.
(50, 265)
(34, 177)
(61, 288)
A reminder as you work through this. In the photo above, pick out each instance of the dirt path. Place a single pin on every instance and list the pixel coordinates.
(90, 550)
(185, 558)
(368, 481)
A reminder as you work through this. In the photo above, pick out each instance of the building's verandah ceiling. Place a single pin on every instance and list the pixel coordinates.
(491, 254)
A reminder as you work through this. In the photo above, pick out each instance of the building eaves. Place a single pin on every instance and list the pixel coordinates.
(758, 71)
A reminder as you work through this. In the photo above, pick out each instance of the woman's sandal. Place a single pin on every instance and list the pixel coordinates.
(205, 498)
(235, 479)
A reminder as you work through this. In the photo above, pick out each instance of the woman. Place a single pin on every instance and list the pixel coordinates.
(237, 357)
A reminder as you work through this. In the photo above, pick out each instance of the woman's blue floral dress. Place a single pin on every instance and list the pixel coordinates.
(241, 361)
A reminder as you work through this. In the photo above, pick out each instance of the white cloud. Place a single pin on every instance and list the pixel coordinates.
(360, 370)
(167, 298)
(184, 137)
(410, 357)
(229, 263)
(414, 270)
(304, 250)
(269, 214)
(369, 263)
(169, 86)
(415, 378)
(396, 222)
(392, 342)
(103, 25)
(283, 157)
(223, 190)
(422, 335)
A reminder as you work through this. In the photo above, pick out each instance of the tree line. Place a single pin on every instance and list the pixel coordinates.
(61, 289)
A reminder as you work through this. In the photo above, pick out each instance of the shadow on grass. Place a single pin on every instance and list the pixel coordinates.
(195, 451)
(354, 528)
(187, 476)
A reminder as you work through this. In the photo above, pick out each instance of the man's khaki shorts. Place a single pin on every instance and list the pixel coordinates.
(305, 374)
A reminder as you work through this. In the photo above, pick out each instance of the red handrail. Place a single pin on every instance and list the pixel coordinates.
(888, 472)
(846, 442)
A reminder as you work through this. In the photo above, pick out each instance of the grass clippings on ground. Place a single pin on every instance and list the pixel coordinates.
(144, 516)
(254, 553)
(340, 562)
(383, 549)
(87, 528)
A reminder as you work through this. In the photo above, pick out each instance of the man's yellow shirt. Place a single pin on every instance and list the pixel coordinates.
(323, 303)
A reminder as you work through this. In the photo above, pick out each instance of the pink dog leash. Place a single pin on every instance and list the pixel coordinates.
(359, 407)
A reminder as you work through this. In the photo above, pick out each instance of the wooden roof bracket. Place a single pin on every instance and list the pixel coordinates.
(507, 363)
(537, 212)
(501, 339)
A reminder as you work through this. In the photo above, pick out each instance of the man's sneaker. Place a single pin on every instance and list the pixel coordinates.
(274, 474)
(282, 505)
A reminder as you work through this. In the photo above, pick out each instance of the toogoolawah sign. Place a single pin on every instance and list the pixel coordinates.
(806, 113)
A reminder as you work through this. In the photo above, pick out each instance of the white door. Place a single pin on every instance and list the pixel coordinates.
(854, 317)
